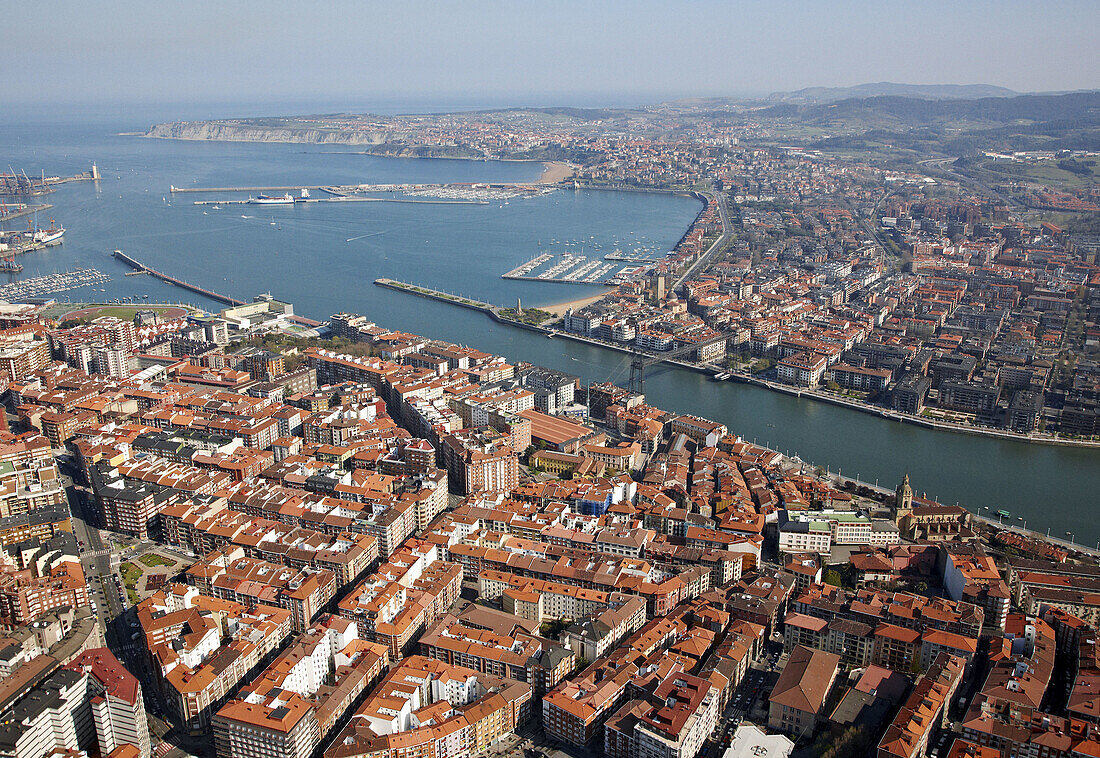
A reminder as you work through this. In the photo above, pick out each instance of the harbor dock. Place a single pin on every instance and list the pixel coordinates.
(452, 193)
(295, 188)
(528, 267)
(141, 268)
(432, 294)
(28, 210)
(346, 199)
(30, 247)
(136, 264)
(571, 268)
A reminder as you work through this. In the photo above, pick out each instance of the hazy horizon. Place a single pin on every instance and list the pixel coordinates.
(552, 53)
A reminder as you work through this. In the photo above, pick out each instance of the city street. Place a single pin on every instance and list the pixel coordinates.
(96, 558)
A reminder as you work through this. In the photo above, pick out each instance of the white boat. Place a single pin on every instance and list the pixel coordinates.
(286, 199)
(45, 236)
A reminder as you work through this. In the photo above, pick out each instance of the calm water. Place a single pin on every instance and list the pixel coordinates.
(305, 257)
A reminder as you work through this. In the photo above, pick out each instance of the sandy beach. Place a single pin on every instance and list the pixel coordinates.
(559, 309)
(554, 172)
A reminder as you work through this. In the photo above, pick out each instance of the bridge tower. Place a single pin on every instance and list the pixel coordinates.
(637, 373)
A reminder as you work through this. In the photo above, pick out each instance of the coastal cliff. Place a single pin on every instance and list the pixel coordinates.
(236, 131)
(394, 143)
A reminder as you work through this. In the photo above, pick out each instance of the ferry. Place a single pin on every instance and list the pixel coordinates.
(46, 236)
(286, 199)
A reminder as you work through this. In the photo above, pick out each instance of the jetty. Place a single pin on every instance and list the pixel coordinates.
(528, 267)
(632, 257)
(295, 188)
(141, 268)
(432, 294)
(21, 210)
(30, 247)
(138, 265)
(343, 199)
(469, 193)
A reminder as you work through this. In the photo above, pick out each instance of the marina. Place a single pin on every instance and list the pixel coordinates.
(573, 268)
(50, 283)
(476, 192)
(528, 267)
(640, 256)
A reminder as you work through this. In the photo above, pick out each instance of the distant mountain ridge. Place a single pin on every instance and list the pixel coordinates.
(818, 95)
(921, 112)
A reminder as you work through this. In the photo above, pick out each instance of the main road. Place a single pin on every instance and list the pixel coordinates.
(96, 558)
(704, 259)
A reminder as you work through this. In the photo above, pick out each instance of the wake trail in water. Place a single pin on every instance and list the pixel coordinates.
(182, 233)
(364, 236)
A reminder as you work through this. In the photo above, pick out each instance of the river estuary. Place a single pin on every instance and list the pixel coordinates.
(324, 257)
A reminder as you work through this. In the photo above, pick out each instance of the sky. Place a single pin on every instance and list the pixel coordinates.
(544, 52)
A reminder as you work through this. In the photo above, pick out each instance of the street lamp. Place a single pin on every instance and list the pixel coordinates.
(1070, 535)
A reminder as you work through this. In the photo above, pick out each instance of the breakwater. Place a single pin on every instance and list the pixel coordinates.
(136, 264)
(21, 212)
(432, 294)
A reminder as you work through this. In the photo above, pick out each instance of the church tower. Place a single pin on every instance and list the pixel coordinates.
(903, 498)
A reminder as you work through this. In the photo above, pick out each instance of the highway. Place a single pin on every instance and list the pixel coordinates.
(704, 259)
(943, 163)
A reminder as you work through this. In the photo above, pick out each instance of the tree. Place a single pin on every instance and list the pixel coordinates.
(832, 576)
(852, 741)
